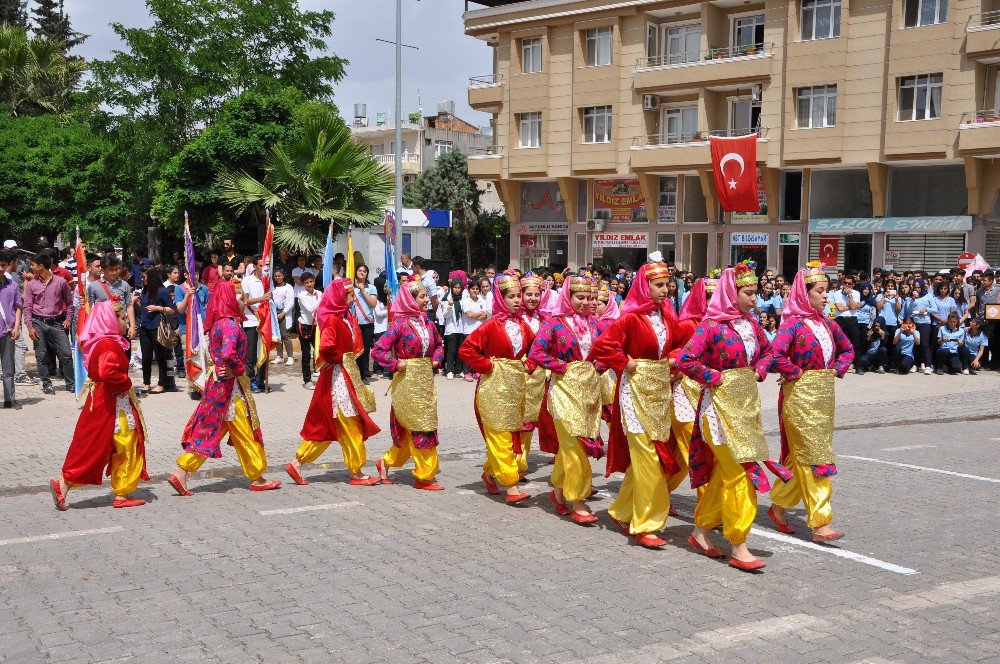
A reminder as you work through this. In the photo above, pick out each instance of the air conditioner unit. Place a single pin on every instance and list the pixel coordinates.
(595, 225)
(650, 102)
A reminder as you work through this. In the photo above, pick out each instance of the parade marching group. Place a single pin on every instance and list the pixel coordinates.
(678, 394)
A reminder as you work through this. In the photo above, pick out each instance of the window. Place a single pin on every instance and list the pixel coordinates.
(744, 116)
(377, 149)
(666, 245)
(652, 40)
(924, 12)
(920, 97)
(679, 124)
(442, 147)
(531, 55)
(392, 147)
(531, 130)
(683, 44)
(816, 107)
(748, 31)
(597, 124)
(598, 47)
(820, 19)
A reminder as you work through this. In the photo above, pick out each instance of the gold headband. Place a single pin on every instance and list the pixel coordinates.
(530, 281)
(579, 284)
(507, 281)
(814, 272)
(656, 271)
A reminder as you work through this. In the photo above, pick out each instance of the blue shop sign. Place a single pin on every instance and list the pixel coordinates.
(891, 224)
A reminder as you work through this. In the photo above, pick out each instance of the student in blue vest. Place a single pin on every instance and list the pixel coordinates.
(976, 343)
(904, 346)
(951, 355)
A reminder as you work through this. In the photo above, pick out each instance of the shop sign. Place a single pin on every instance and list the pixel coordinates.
(542, 203)
(666, 210)
(621, 201)
(891, 259)
(789, 238)
(747, 239)
(542, 228)
(622, 240)
(890, 224)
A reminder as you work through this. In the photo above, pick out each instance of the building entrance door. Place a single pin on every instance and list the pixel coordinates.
(858, 253)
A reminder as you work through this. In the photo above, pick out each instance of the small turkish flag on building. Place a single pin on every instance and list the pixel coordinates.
(734, 162)
(829, 247)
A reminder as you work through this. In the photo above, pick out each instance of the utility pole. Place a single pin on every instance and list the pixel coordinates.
(398, 152)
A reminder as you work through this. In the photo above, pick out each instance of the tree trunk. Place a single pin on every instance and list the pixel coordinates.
(468, 247)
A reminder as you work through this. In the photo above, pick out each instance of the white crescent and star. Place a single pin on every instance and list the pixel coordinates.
(728, 157)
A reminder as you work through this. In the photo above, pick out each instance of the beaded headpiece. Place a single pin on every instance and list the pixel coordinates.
(712, 281)
(656, 271)
(507, 280)
(413, 285)
(604, 291)
(745, 273)
(814, 271)
(531, 281)
(579, 283)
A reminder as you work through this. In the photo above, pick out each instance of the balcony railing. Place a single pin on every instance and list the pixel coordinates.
(485, 81)
(407, 157)
(714, 53)
(693, 137)
(972, 119)
(488, 152)
(984, 21)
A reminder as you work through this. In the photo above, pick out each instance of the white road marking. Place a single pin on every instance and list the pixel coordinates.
(930, 470)
(308, 508)
(65, 535)
(833, 551)
(903, 448)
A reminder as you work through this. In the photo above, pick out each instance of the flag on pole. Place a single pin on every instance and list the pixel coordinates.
(349, 271)
(268, 332)
(391, 279)
(82, 310)
(195, 340)
(328, 259)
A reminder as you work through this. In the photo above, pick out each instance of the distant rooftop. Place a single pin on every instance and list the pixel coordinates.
(491, 3)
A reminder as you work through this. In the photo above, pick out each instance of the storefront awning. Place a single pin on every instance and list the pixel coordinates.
(891, 224)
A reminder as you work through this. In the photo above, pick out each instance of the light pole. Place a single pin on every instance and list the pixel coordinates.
(398, 152)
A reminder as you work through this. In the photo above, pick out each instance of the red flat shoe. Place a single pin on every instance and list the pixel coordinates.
(426, 486)
(835, 535)
(621, 524)
(295, 475)
(752, 566)
(517, 498)
(380, 467)
(650, 541)
(561, 508)
(673, 512)
(364, 481)
(491, 486)
(711, 553)
(128, 502)
(57, 496)
(270, 486)
(583, 519)
(178, 487)
(783, 527)
(593, 492)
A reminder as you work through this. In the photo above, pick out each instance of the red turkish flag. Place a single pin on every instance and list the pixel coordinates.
(734, 163)
(829, 246)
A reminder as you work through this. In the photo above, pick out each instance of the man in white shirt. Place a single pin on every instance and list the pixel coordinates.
(405, 264)
(847, 301)
(308, 301)
(430, 285)
(299, 271)
(253, 294)
(284, 302)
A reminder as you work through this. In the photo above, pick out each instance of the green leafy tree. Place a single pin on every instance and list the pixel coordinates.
(35, 77)
(198, 54)
(319, 176)
(14, 13)
(52, 22)
(447, 186)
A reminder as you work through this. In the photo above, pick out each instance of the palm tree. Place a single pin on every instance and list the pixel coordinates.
(318, 178)
(35, 76)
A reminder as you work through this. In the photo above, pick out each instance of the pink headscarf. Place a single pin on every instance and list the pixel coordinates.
(334, 301)
(405, 306)
(500, 310)
(696, 303)
(723, 306)
(612, 311)
(640, 301)
(797, 306)
(563, 307)
(102, 323)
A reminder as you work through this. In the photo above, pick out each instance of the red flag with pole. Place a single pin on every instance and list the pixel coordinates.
(734, 165)
(264, 322)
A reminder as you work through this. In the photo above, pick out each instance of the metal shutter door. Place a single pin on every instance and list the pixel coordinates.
(932, 252)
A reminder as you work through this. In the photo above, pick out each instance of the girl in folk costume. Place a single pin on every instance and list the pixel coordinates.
(808, 352)
(606, 309)
(640, 348)
(341, 403)
(411, 349)
(496, 351)
(110, 434)
(533, 293)
(727, 355)
(562, 346)
(227, 406)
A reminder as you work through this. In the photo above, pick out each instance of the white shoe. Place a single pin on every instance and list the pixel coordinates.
(913, 369)
(276, 360)
(310, 385)
(928, 371)
(289, 362)
(451, 375)
(965, 372)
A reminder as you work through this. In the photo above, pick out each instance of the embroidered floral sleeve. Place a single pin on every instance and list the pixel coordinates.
(699, 347)
(224, 346)
(382, 350)
(544, 349)
(765, 352)
(784, 347)
(845, 351)
(437, 344)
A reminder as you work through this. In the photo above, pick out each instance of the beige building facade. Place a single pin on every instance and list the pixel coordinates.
(878, 126)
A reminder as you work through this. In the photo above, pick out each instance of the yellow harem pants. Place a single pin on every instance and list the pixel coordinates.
(730, 498)
(501, 462)
(571, 473)
(425, 462)
(682, 437)
(522, 458)
(251, 454)
(814, 492)
(126, 466)
(643, 500)
(351, 442)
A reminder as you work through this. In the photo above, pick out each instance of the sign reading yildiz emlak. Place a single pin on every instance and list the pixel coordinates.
(890, 224)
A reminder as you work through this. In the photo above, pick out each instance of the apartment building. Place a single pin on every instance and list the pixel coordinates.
(878, 125)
